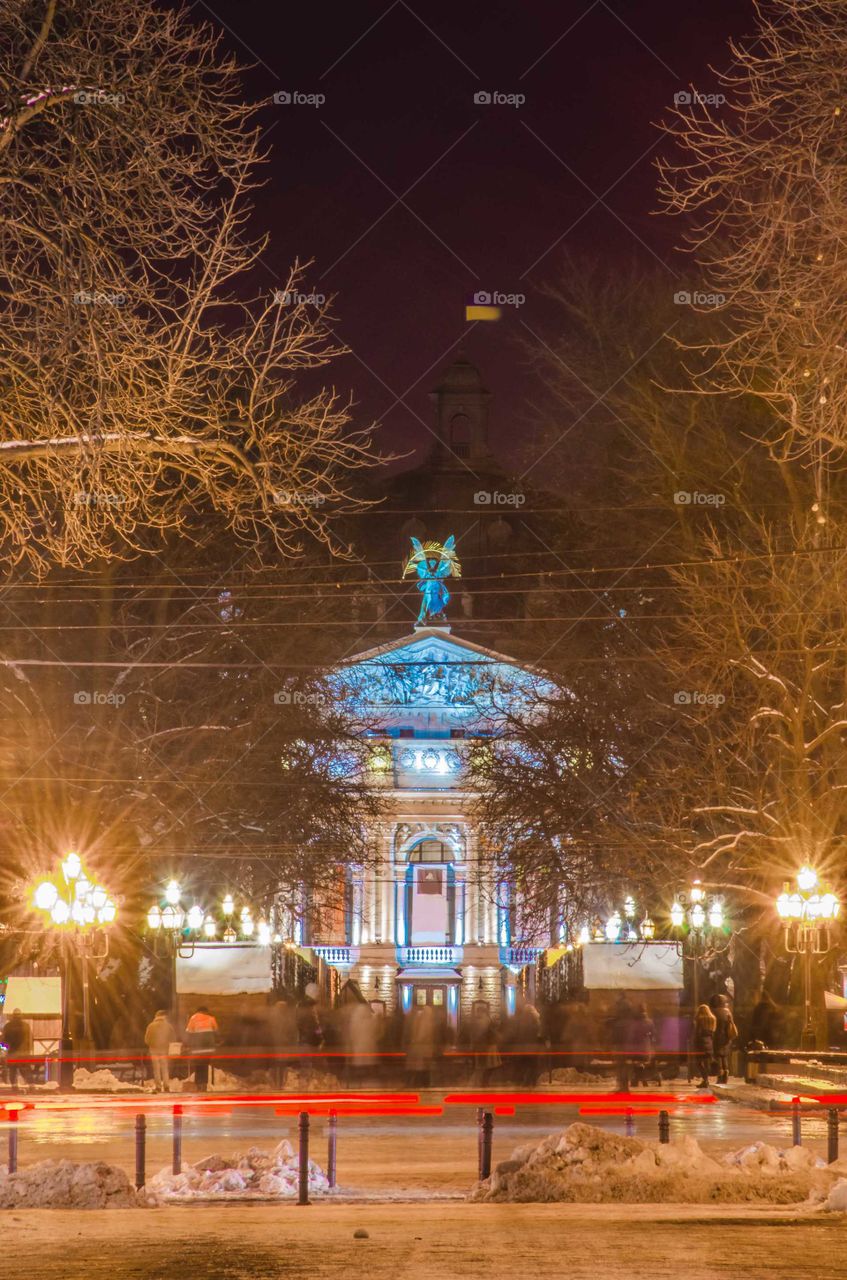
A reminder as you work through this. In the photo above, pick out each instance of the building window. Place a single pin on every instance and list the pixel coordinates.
(431, 851)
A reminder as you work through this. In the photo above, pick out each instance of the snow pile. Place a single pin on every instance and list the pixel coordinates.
(836, 1201)
(255, 1175)
(591, 1165)
(300, 1081)
(570, 1075)
(61, 1184)
(102, 1081)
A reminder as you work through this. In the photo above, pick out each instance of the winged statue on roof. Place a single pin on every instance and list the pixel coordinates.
(432, 562)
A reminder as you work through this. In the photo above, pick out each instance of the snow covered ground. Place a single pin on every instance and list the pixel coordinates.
(431, 1242)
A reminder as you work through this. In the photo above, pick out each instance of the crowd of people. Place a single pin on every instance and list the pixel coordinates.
(358, 1042)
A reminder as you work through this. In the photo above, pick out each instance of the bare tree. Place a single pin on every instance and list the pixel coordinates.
(180, 728)
(758, 174)
(144, 382)
(717, 666)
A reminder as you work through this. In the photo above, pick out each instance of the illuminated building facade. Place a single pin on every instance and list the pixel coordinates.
(425, 924)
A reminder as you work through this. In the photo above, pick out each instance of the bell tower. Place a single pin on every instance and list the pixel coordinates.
(461, 414)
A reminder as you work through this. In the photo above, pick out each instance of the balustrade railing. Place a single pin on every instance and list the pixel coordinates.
(429, 955)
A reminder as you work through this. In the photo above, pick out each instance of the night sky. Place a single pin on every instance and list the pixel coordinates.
(409, 195)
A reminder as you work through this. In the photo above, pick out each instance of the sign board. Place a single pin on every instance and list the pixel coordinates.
(35, 997)
(224, 969)
(632, 966)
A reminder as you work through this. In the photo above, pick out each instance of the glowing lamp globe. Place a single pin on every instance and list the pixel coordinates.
(230, 935)
(677, 914)
(154, 918)
(247, 927)
(99, 897)
(697, 893)
(228, 906)
(613, 927)
(648, 929)
(807, 878)
(78, 913)
(172, 892)
(629, 907)
(172, 917)
(107, 912)
(195, 917)
(60, 912)
(716, 915)
(71, 867)
(783, 904)
(264, 934)
(45, 895)
(210, 929)
(698, 916)
(829, 906)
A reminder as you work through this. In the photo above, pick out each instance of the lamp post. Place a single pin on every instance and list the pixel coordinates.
(83, 912)
(621, 926)
(178, 928)
(807, 914)
(182, 929)
(692, 911)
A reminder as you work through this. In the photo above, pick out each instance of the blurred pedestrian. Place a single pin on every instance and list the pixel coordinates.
(158, 1038)
(283, 1032)
(310, 1034)
(483, 1044)
(17, 1037)
(358, 1028)
(726, 1033)
(642, 1044)
(527, 1038)
(703, 1042)
(422, 1046)
(767, 1023)
(620, 1036)
(202, 1032)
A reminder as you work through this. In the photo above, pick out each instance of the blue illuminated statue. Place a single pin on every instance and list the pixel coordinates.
(433, 562)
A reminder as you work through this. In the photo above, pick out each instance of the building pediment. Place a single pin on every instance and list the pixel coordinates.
(434, 677)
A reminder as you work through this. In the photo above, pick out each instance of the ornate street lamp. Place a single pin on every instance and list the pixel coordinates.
(621, 926)
(84, 912)
(700, 917)
(807, 916)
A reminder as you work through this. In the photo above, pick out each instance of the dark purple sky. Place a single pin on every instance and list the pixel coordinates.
(409, 195)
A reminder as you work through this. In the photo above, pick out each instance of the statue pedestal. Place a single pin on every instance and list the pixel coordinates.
(432, 626)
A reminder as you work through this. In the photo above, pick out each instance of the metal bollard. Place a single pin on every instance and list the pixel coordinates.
(831, 1135)
(796, 1135)
(140, 1151)
(303, 1197)
(664, 1127)
(177, 1158)
(629, 1126)
(12, 1117)
(480, 1112)
(331, 1147)
(487, 1141)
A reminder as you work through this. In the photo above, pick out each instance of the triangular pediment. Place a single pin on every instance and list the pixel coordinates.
(435, 676)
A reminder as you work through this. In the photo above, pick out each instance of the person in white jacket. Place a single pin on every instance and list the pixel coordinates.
(158, 1038)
